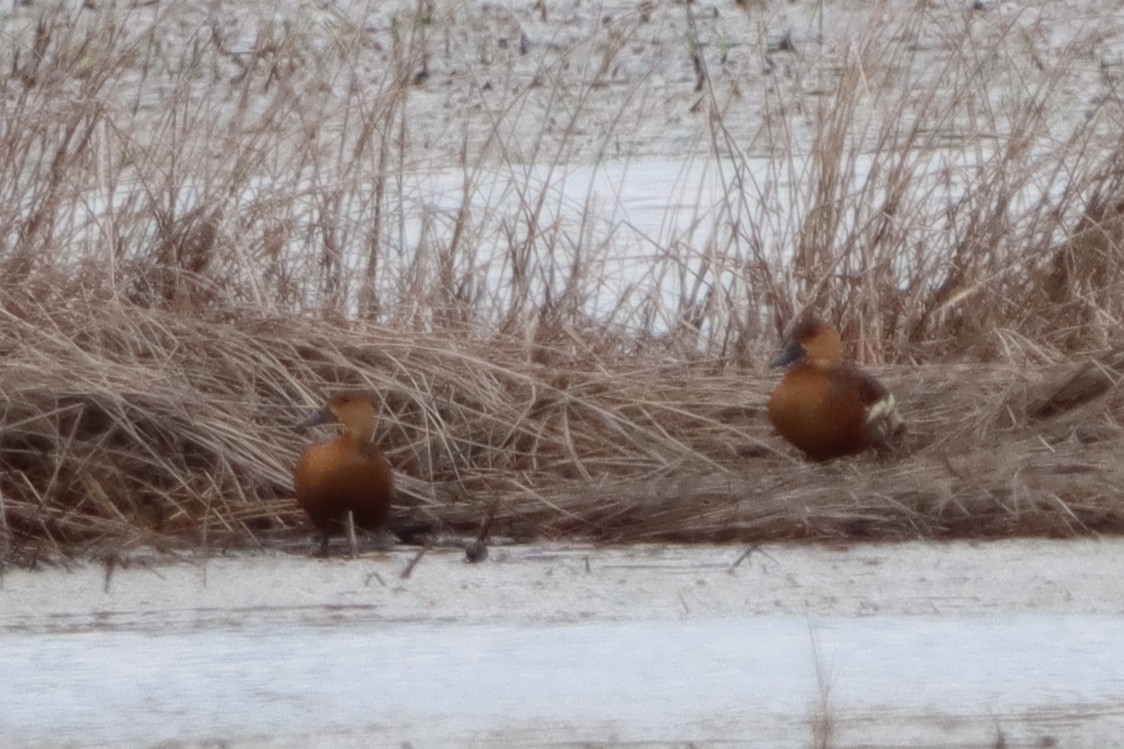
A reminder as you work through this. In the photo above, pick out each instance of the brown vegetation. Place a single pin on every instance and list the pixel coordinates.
(206, 222)
(148, 426)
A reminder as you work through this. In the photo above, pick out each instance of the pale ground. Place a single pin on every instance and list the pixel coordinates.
(559, 584)
(916, 644)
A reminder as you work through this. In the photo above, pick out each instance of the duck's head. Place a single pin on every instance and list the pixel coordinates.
(355, 410)
(810, 341)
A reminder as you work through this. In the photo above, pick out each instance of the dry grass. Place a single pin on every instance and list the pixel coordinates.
(131, 426)
(206, 221)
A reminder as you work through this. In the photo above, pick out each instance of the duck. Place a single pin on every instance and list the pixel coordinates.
(825, 407)
(345, 474)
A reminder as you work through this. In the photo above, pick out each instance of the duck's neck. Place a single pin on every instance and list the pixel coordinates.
(822, 365)
(358, 427)
(360, 437)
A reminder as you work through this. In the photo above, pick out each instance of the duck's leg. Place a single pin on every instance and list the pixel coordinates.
(322, 548)
(351, 534)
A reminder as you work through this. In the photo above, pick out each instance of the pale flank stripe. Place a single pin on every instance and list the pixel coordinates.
(885, 409)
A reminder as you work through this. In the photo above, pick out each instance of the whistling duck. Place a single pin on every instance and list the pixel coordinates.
(347, 473)
(825, 407)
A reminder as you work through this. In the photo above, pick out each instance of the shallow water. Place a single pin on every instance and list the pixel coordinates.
(287, 651)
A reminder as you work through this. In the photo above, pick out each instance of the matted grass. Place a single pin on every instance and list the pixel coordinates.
(127, 427)
(207, 220)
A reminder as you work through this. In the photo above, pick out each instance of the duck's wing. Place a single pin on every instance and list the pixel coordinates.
(881, 419)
